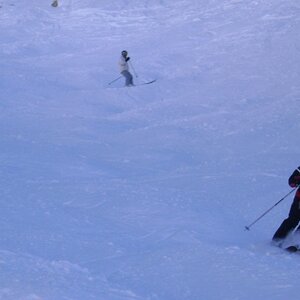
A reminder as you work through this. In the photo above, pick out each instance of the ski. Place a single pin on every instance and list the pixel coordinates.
(288, 247)
(144, 83)
(132, 86)
(292, 249)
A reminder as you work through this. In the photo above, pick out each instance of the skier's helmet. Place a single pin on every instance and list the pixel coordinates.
(124, 53)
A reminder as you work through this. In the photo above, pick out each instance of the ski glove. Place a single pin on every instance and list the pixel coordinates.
(127, 58)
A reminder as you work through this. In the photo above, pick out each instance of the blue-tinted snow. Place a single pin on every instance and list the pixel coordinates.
(143, 193)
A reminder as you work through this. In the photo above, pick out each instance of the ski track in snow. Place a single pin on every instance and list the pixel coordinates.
(143, 193)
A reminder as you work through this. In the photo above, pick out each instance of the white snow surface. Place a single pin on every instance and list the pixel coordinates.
(112, 193)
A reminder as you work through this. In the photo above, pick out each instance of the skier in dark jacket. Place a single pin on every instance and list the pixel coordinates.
(289, 224)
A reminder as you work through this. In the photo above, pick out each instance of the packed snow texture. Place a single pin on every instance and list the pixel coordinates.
(113, 193)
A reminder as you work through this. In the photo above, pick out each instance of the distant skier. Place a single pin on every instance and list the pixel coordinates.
(289, 224)
(124, 68)
(55, 3)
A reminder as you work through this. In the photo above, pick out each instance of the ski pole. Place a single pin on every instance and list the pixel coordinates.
(250, 225)
(134, 72)
(115, 80)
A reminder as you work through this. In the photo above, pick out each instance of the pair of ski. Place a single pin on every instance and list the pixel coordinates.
(138, 84)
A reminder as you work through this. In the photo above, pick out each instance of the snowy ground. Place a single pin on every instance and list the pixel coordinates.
(142, 193)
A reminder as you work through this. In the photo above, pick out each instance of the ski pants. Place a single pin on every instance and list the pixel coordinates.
(128, 78)
(289, 224)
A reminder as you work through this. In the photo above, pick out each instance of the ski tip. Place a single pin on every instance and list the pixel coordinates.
(247, 228)
(149, 82)
(145, 83)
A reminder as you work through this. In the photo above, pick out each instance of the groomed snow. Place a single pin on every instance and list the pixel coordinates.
(112, 193)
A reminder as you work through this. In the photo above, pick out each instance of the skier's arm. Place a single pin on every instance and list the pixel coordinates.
(294, 180)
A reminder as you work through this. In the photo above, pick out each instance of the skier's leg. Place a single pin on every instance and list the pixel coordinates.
(285, 228)
(128, 78)
(290, 223)
(124, 74)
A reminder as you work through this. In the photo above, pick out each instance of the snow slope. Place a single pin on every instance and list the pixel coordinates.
(143, 193)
